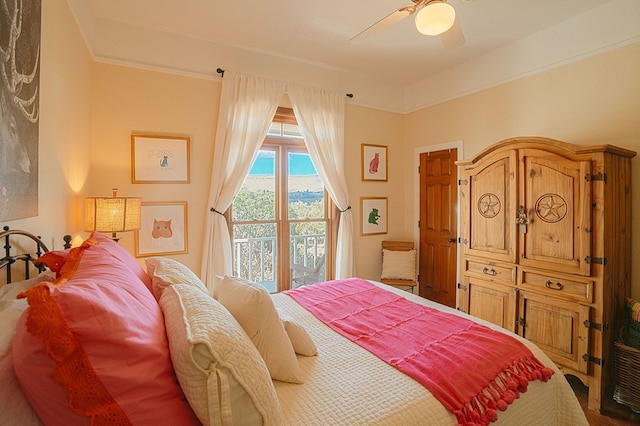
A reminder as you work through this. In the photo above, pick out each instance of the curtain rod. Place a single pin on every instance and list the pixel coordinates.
(221, 72)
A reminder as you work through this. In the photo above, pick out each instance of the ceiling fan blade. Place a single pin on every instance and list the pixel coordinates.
(453, 37)
(383, 24)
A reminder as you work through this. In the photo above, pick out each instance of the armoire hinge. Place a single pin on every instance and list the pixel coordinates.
(599, 177)
(600, 327)
(462, 287)
(598, 260)
(463, 241)
(520, 322)
(463, 182)
(593, 359)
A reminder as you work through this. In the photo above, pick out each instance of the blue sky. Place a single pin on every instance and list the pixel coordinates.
(300, 164)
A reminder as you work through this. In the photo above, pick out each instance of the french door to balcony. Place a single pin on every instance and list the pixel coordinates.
(279, 220)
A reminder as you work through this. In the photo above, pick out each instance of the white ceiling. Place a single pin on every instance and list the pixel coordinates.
(196, 36)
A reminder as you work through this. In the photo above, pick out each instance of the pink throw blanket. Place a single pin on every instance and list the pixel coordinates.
(471, 369)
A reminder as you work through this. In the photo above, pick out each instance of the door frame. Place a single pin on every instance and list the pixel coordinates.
(416, 195)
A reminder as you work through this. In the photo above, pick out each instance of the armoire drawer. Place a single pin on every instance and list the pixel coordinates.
(491, 270)
(564, 286)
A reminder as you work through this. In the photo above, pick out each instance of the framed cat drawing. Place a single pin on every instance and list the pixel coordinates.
(374, 215)
(160, 159)
(374, 162)
(163, 229)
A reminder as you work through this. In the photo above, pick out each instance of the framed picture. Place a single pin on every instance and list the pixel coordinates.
(159, 159)
(374, 162)
(163, 229)
(374, 215)
(20, 109)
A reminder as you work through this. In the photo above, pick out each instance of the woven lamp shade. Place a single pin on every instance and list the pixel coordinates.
(112, 214)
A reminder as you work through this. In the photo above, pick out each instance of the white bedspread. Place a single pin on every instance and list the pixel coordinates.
(346, 385)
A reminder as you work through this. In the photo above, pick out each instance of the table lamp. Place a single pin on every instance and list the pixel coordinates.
(112, 214)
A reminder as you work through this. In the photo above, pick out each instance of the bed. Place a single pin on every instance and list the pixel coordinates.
(96, 338)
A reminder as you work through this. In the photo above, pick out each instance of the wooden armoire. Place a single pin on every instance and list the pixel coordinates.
(545, 245)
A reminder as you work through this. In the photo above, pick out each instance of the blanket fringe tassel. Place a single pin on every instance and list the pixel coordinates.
(502, 391)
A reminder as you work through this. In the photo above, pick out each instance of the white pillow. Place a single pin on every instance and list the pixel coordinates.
(9, 292)
(398, 265)
(220, 371)
(16, 409)
(300, 339)
(252, 307)
(164, 272)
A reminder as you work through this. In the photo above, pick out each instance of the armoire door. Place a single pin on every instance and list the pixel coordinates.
(487, 200)
(490, 301)
(557, 327)
(555, 204)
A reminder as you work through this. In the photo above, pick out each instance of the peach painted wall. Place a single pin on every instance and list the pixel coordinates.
(591, 102)
(370, 126)
(65, 126)
(126, 100)
(129, 100)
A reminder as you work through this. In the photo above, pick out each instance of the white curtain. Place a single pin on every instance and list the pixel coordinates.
(320, 116)
(247, 107)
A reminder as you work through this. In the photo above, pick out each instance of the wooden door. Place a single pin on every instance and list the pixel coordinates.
(555, 200)
(438, 226)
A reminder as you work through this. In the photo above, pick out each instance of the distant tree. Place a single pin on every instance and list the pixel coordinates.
(254, 205)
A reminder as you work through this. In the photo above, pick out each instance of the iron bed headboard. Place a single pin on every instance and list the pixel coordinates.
(10, 258)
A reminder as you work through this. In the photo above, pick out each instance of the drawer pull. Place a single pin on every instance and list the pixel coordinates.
(557, 286)
(488, 271)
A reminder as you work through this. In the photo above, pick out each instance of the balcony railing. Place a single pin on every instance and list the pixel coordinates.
(254, 259)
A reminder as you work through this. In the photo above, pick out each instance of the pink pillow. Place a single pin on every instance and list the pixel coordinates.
(93, 346)
(119, 252)
(55, 260)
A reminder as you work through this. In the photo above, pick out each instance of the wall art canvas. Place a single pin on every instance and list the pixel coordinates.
(374, 162)
(163, 229)
(19, 108)
(374, 215)
(159, 159)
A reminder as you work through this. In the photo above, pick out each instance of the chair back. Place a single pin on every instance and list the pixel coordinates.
(404, 273)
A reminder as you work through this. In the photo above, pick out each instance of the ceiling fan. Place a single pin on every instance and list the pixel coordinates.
(434, 17)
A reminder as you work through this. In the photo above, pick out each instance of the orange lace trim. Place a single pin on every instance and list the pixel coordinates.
(86, 394)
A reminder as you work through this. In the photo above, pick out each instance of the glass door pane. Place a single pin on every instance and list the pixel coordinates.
(307, 253)
(255, 228)
(256, 200)
(305, 201)
(306, 192)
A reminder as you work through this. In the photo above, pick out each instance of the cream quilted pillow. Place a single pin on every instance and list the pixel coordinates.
(220, 371)
(398, 265)
(164, 272)
(251, 305)
(300, 339)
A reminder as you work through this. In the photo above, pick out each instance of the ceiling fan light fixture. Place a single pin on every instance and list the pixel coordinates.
(435, 18)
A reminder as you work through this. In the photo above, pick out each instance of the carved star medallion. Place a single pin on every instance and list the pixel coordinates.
(489, 205)
(551, 208)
